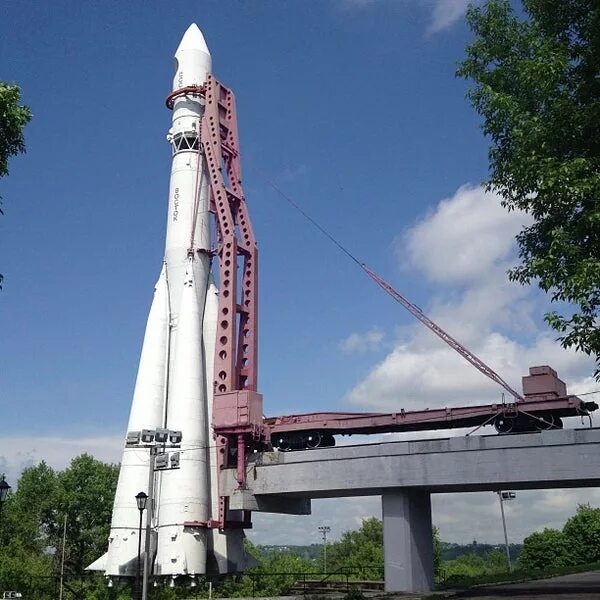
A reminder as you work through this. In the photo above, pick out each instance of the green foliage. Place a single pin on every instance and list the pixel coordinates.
(23, 570)
(276, 573)
(32, 521)
(544, 549)
(85, 493)
(582, 535)
(13, 118)
(578, 543)
(28, 511)
(469, 566)
(360, 551)
(538, 91)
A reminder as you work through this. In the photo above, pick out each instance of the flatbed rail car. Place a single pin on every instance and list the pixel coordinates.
(545, 403)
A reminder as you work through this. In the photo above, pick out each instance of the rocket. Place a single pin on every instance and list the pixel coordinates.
(174, 384)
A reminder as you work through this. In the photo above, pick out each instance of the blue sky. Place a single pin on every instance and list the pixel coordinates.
(351, 107)
(353, 110)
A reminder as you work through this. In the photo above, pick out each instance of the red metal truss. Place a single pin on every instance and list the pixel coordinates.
(236, 360)
(237, 406)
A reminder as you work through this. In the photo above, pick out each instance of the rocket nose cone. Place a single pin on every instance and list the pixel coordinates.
(193, 40)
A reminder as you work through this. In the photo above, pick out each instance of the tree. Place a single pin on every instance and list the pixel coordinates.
(276, 573)
(360, 551)
(582, 535)
(13, 118)
(85, 493)
(28, 510)
(32, 526)
(544, 549)
(537, 87)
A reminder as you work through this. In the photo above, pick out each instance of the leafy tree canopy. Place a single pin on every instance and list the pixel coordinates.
(582, 535)
(577, 544)
(32, 522)
(537, 87)
(13, 118)
(359, 550)
(543, 549)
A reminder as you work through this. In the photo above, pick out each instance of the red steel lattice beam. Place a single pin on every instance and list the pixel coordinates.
(237, 407)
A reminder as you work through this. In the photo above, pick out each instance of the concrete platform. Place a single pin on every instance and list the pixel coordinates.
(550, 459)
(406, 473)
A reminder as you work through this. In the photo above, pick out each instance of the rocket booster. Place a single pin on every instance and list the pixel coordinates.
(174, 382)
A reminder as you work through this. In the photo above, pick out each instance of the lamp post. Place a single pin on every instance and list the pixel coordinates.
(140, 500)
(4, 489)
(502, 496)
(324, 529)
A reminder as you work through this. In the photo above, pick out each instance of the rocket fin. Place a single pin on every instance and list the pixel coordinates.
(184, 494)
(147, 408)
(99, 564)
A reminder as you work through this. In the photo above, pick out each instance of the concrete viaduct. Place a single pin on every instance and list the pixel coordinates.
(406, 473)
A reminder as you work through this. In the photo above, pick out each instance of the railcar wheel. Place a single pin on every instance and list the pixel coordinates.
(282, 443)
(504, 424)
(545, 422)
(313, 440)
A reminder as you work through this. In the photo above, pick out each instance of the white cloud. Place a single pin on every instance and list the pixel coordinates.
(363, 342)
(19, 452)
(354, 4)
(466, 236)
(465, 247)
(444, 13)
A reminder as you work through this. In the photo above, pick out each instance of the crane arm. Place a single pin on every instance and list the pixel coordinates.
(443, 335)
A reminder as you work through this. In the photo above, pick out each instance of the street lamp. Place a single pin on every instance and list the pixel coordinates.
(4, 489)
(140, 500)
(324, 529)
(504, 496)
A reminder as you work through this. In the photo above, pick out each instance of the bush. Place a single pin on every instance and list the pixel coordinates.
(544, 549)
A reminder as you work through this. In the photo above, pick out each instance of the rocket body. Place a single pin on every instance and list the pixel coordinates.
(174, 382)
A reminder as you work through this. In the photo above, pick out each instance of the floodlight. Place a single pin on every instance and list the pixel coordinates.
(175, 437)
(133, 438)
(148, 435)
(162, 435)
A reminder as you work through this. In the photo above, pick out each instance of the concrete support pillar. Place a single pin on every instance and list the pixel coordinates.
(407, 541)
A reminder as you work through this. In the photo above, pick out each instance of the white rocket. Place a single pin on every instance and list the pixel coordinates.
(173, 389)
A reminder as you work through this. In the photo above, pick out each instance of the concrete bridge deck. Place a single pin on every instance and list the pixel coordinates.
(406, 473)
(549, 459)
